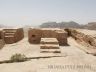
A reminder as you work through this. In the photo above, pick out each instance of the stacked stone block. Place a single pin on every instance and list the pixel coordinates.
(35, 35)
(2, 42)
(13, 35)
(49, 45)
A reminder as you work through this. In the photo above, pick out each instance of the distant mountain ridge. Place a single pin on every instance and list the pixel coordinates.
(71, 24)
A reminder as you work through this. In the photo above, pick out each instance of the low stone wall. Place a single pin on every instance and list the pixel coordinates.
(79, 36)
(47, 33)
(19, 35)
(13, 35)
(1, 34)
(35, 35)
(9, 36)
(2, 43)
(62, 37)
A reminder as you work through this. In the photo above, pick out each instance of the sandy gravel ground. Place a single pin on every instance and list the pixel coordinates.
(73, 59)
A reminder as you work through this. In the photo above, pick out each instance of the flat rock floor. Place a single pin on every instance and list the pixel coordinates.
(72, 59)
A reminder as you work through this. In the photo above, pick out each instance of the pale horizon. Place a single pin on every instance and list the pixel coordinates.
(36, 12)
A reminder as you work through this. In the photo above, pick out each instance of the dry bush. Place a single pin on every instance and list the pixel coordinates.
(18, 58)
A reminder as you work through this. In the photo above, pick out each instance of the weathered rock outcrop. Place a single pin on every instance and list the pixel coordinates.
(84, 38)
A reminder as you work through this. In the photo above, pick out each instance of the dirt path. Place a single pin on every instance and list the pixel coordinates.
(73, 59)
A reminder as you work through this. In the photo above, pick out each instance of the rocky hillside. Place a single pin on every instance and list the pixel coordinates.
(71, 24)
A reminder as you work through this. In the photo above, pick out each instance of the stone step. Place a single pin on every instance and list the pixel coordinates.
(50, 51)
(49, 46)
(10, 31)
(49, 41)
(9, 34)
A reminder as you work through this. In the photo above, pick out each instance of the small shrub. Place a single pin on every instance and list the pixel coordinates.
(18, 58)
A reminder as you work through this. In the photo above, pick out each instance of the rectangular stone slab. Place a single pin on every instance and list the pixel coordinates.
(50, 51)
(49, 46)
(49, 41)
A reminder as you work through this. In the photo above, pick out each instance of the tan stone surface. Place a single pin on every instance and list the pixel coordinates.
(9, 39)
(2, 43)
(49, 46)
(19, 35)
(71, 55)
(48, 34)
(60, 34)
(13, 35)
(49, 41)
(34, 36)
(62, 37)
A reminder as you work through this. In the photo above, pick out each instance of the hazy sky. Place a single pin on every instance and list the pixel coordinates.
(35, 12)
